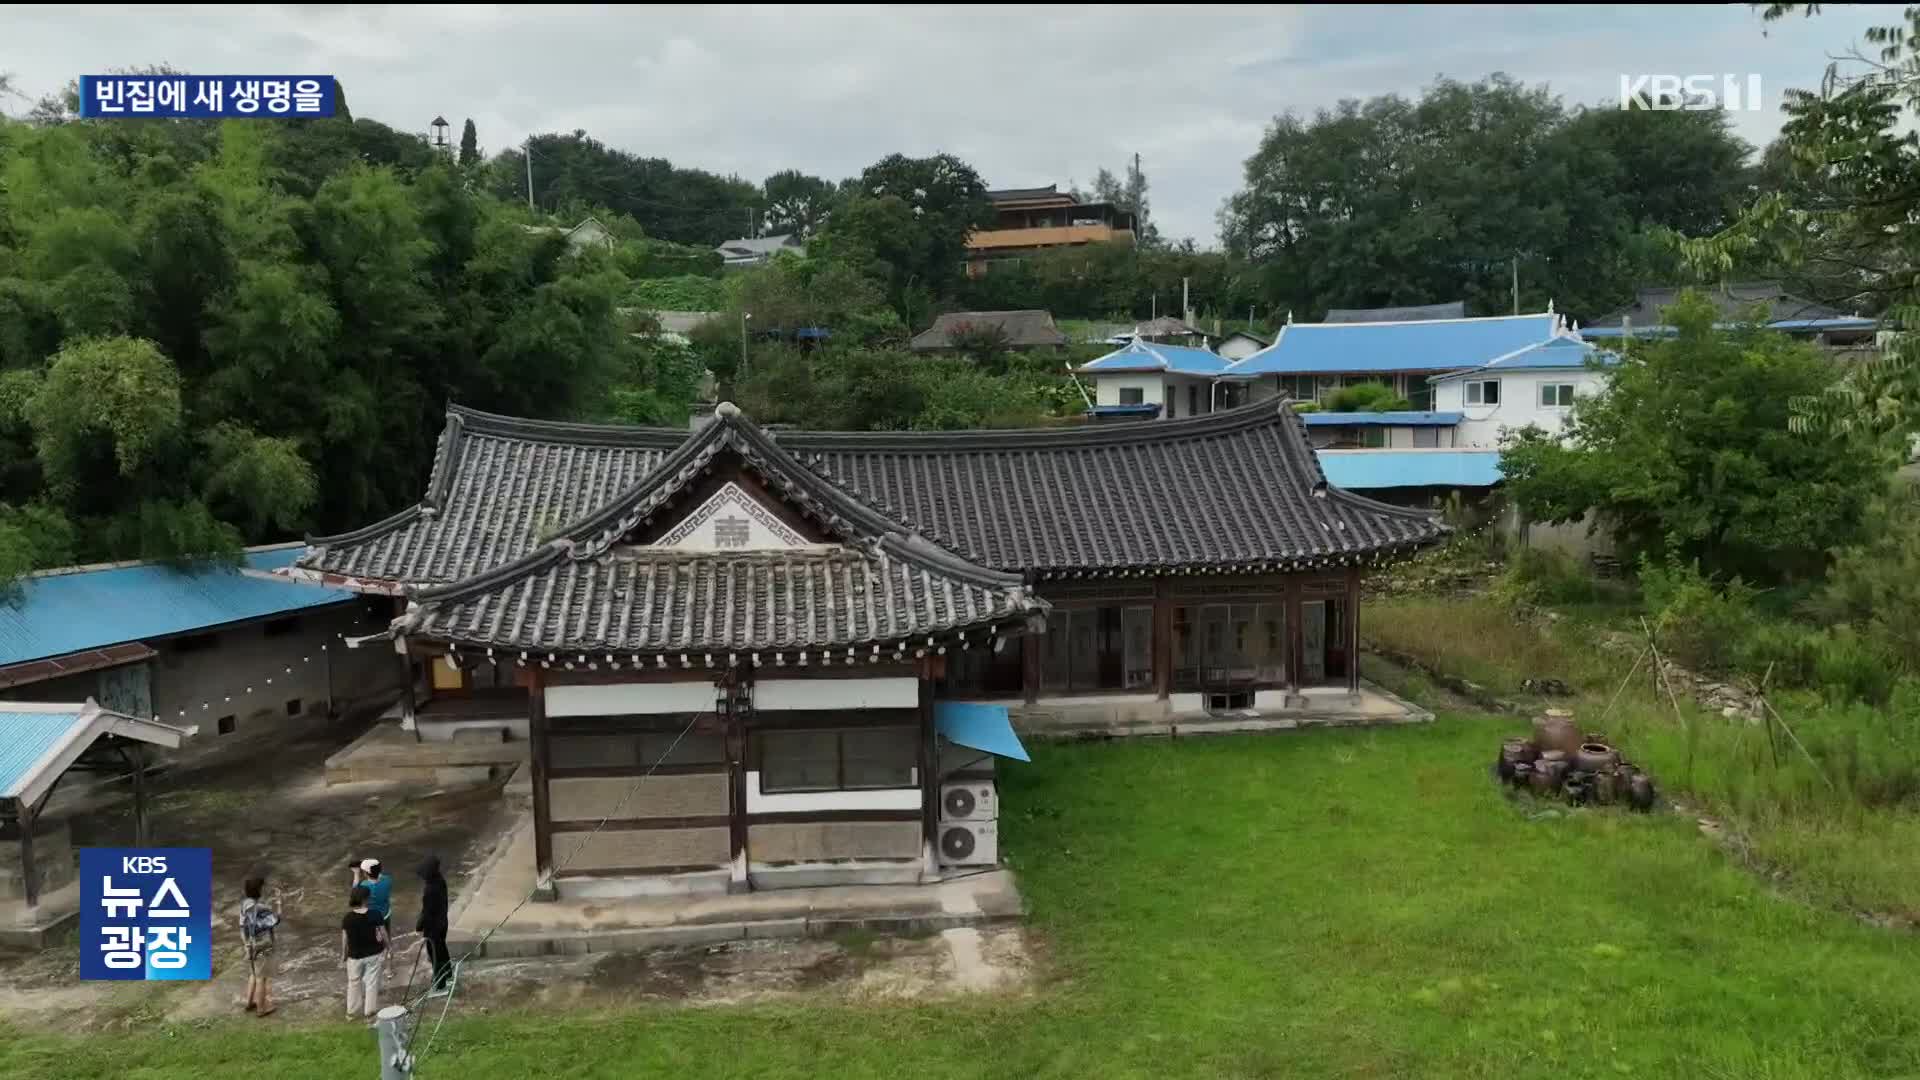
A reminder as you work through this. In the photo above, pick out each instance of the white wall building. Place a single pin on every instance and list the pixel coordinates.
(1535, 386)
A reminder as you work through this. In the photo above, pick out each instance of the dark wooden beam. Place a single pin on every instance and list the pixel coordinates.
(802, 817)
(929, 756)
(29, 880)
(711, 768)
(704, 821)
(641, 871)
(541, 760)
(1162, 637)
(1030, 666)
(739, 709)
(1353, 630)
(1296, 651)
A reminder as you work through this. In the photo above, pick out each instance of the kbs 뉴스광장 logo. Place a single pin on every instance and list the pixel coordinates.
(146, 913)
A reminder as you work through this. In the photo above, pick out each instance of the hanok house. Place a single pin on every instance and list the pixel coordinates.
(804, 638)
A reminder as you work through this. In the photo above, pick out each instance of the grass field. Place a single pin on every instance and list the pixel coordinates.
(1336, 903)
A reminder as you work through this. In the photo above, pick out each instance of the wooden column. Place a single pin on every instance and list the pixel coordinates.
(131, 755)
(409, 703)
(541, 762)
(1296, 650)
(23, 814)
(1030, 665)
(737, 691)
(1162, 637)
(1353, 630)
(929, 765)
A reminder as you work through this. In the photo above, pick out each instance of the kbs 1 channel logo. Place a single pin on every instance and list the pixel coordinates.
(226, 97)
(146, 913)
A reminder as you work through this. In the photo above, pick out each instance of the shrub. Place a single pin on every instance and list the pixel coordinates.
(1367, 397)
(1849, 666)
(1544, 576)
(1698, 621)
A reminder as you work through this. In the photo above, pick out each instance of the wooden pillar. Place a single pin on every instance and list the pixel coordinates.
(1162, 637)
(929, 764)
(1296, 651)
(737, 691)
(131, 755)
(409, 704)
(540, 759)
(23, 814)
(1030, 665)
(1353, 630)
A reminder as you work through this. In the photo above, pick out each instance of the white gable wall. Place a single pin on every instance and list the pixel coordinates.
(1482, 425)
(1175, 394)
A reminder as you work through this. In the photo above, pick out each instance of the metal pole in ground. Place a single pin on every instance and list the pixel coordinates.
(396, 1057)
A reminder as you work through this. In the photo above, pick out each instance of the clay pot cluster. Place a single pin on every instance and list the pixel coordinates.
(1560, 761)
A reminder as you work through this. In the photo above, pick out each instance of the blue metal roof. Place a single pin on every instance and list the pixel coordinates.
(1400, 419)
(1560, 354)
(1142, 355)
(1848, 322)
(67, 611)
(1361, 470)
(29, 735)
(979, 727)
(1148, 409)
(1430, 345)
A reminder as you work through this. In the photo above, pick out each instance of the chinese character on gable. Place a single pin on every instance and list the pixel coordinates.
(731, 532)
(146, 913)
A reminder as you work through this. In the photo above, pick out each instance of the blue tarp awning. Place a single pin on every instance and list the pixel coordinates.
(979, 727)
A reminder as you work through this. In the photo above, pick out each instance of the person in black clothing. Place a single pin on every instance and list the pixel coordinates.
(432, 923)
(363, 946)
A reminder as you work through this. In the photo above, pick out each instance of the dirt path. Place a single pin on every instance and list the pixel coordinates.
(270, 811)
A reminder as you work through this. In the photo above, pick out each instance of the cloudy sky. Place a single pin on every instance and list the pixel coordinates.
(1028, 95)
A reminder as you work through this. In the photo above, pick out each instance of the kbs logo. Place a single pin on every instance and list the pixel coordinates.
(146, 913)
(1695, 92)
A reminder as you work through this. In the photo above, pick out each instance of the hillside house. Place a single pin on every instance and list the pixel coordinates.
(1030, 220)
(1144, 381)
(1781, 311)
(750, 251)
(1031, 329)
(1535, 386)
(796, 635)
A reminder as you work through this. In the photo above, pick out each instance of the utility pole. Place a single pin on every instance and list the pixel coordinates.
(1516, 284)
(744, 316)
(530, 172)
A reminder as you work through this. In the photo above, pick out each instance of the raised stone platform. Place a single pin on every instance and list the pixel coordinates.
(386, 753)
(23, 927)
(1136, 715)
(587, 925)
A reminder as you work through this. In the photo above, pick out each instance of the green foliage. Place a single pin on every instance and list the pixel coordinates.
(644, 257)
(1305, 406)
(1543, 576)
(907, 225)
(1689, 452)
(1367, 397)
(1391, 201)
(686, 206)
(1874, 585)
(469, 144)
(686, 292)
(222, 332)
(103, 396)
(1697, 620)
(797, 203)
(844, 388)
(31, 537)
(1840, 215)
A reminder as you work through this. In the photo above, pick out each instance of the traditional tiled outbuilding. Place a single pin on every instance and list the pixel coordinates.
(780, 628)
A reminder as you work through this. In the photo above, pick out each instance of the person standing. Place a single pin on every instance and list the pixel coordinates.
(379, 888)
(432, 924)
(257, 923)
(363, 945)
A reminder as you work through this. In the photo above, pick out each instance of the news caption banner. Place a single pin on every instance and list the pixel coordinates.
(206, 96)
(146, 913)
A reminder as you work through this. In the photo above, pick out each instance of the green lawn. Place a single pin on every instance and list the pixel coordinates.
(1324, 904)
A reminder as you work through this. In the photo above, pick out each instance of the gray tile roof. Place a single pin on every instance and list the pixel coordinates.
(1024, 329)
(1730, 301)
(1238, 490)
(658, 600)
(1456, 309)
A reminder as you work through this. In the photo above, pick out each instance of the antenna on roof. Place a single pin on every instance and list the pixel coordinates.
(1289, 316)
(1549, 305)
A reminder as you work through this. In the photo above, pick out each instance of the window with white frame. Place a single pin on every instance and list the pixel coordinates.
(1297, 387)
(1556, 395)
(1483, 392)
(1133, 395)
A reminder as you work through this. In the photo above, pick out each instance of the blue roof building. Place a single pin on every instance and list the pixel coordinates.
(1145, 379)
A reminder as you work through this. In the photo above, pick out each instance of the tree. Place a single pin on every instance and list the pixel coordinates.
(908, 221)
(796, 203)
(469, 144)
(1842, 218)
(1391, 201)
(1687, 454)
(1367, 397)
(687, 206)
(1130, 195)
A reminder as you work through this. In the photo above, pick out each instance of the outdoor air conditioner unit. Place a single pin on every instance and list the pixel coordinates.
(968, 801)
(969, 843)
